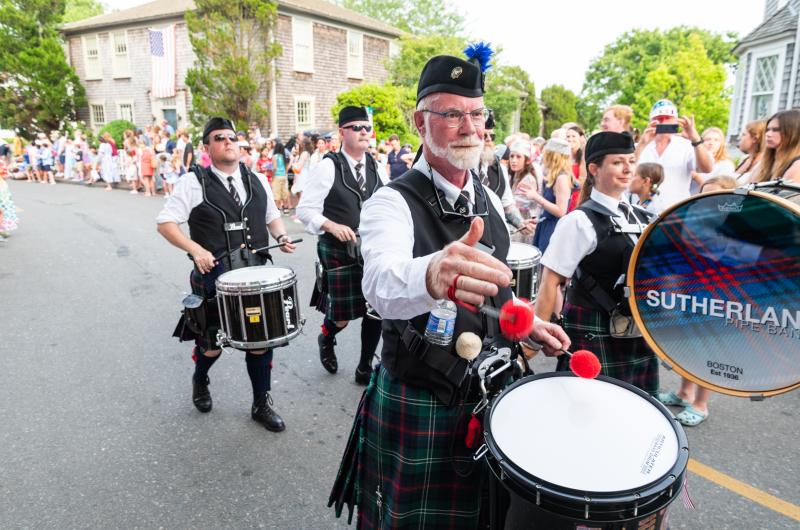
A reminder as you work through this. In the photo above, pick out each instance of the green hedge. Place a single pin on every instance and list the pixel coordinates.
(117, 128)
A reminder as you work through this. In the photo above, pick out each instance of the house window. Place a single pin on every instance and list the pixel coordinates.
(304, 112)
(120, 66)
(91, 57)
(125, 110)
(355, 55)
(303, 44)
(763, 93)
(97, 112)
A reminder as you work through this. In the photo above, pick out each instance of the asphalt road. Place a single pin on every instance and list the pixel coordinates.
(97, 428)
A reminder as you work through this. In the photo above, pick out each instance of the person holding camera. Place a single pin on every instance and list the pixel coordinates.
(330, 208)
(680, 154)
(592, 246)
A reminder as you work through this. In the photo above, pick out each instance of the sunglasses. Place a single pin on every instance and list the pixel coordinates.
(223, 137)
(489, 136)
(359, 128)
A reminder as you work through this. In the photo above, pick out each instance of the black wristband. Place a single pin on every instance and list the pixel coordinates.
(698, 142)
(278, 237)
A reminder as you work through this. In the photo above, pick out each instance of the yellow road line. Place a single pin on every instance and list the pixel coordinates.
(745, 490)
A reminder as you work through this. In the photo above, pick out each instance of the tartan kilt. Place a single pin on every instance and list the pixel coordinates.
(629, 360)
(343, 298)
(415, 441)
(205, 286)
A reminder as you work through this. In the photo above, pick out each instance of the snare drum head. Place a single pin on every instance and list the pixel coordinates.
(521, 255)
(588, 435)
(263, 275)
(715, 283)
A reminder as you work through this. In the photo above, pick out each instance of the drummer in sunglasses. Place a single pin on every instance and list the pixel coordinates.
(431, 234)
(226, 207)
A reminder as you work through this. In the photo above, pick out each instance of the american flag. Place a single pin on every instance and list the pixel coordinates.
(162, 57)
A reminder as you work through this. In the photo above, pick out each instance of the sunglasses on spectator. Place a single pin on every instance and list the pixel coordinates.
(359, 128)
(489, 136)
(223, 137)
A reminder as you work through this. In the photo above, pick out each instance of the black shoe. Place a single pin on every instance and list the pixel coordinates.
(262, 413)
(201, 397)
(363, 377)
(326, 354)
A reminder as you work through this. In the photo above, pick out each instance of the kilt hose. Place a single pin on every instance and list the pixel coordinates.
(411, 448)
(343, 298)
(629, 360)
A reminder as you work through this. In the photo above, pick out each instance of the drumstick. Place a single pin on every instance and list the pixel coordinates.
(270, 247)
(583, 363)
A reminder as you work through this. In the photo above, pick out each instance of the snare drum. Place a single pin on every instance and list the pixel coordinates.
(594, 452)
(258, 307)
(523, 260)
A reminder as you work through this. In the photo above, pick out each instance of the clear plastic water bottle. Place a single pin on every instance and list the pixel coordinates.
(441, 323)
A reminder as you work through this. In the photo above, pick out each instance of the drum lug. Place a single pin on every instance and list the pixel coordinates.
(538, 495)
(666, 365)
(480, 453)
(636, 506)
(586, 507)
(756, 397)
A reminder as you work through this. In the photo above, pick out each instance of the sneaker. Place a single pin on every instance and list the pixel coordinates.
(263, 413)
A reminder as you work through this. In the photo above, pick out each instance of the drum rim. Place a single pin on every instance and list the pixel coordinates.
(283, 340)
(257, 286)
(524, 263)
(630, 281)
(592, 498)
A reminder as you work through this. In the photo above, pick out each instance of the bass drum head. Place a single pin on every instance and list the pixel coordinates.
(714, 285)
(522, 256)
(587, 435)
(262, 276)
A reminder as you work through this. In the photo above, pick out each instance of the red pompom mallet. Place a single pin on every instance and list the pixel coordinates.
(516, 319)
(584, 363)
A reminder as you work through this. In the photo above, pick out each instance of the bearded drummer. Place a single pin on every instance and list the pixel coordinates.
(591, 246)
(224, 206)
(434, 229)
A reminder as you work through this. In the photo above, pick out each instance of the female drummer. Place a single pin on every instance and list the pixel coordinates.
(782, 148)
(590, 247)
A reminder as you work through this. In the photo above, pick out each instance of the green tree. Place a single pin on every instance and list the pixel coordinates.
(692, 81)
(392, 109)
(39, 91)
(560, 107)
(80, 9)
(420, 17)
(405, 67)
(117, 129)
(233, 41)
(509, 89)
(620, 72)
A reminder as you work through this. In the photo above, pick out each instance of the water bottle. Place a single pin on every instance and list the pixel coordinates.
(441, 323)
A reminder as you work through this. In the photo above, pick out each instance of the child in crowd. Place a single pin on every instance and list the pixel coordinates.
(131, 169)
(8, 212)
(164, 171)
(264, 164)
(718, 183)
(644, 186)
(46, 161)
(92, 175)
(147, 166)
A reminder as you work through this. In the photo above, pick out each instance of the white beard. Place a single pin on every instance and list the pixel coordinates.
(460, 158)
(487, 156)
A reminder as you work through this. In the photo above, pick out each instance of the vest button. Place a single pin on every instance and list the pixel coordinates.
(248, 237)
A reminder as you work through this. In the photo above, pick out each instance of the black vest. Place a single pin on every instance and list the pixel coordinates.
(344, 200)
(208, 220)
(431, 234)
(608, 261)
(496, 181)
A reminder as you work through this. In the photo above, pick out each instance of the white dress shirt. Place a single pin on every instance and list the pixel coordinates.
(394, 280)
(320, 181)
(575, 238)
(507, 199)
(188, 194)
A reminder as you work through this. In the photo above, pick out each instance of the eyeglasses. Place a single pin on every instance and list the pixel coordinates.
(454, 118)
(359, 128)
(222, 137)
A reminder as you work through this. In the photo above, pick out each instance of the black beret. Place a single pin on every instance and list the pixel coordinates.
(608, 143)
(214, 124)
(350, 114)
(490, 121)
(445, 73)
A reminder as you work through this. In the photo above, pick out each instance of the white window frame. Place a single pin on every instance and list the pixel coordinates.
(355, 55)
(311, 100)
(92, 64)
(124, 102)
(120, 62)
(92, 122)
(303, 45)
(760, 53)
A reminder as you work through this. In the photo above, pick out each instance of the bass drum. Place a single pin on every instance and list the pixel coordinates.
(713, 286)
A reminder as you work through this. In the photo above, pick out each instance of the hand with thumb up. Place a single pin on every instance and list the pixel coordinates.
(480, 274)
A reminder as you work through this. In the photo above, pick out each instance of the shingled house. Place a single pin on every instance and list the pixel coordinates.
(326, 49)
(768, 73)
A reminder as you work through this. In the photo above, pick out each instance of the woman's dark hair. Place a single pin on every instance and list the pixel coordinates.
(588, 183)
(579, 152)
(279, 149)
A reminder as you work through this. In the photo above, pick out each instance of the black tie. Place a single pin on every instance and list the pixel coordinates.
(233, 192)
(362, 184)
(461, 206)
(626, 211)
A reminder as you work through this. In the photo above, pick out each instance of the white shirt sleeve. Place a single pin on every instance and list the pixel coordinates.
(312, 202)
(393, 281)
(574, 238)
(508, 198)
(382, 172)
(184, 197)
(272, 209)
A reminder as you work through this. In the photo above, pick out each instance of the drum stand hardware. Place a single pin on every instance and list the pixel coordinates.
(502, 356)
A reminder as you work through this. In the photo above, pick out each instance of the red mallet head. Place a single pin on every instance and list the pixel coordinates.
(584, 364)
(516, 319)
